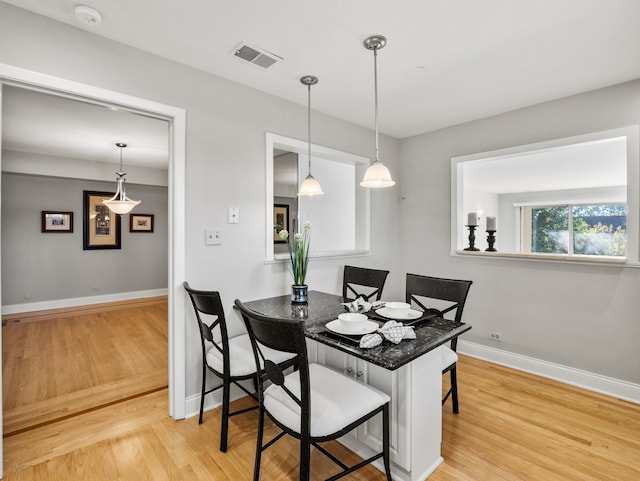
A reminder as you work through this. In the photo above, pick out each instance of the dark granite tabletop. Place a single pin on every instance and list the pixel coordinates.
(431, 332)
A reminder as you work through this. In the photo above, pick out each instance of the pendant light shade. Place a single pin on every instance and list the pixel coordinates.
(377, 175)
(310, 186)
(120, 203)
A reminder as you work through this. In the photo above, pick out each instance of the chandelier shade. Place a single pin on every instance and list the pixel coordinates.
(120, 203)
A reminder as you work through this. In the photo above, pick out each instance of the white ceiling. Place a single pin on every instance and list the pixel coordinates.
(49, 125)
(446, 62)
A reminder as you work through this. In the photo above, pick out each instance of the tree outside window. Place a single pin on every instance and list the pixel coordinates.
(598, 230)
(550, 231)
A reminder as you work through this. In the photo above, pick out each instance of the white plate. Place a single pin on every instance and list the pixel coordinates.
(367, 328)
(412, 314)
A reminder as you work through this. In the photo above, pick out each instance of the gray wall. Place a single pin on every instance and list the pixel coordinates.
(40, 266)
(225, 158)
(581, 316)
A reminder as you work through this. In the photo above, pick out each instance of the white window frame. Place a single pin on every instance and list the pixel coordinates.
(526, 231)
(363, 210)
(458, 217)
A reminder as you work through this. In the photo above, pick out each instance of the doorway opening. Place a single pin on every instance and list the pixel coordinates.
(176, 194)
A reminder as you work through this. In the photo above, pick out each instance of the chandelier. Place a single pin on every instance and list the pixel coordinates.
(120, 203)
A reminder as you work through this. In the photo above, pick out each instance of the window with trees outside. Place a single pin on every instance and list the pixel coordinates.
(570, 199)
(590, 230)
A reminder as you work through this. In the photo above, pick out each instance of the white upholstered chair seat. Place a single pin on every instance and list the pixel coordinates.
(449, 357)
(336, 401)
(241, 356)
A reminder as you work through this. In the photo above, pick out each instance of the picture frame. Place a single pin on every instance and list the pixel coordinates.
(57, 222)
(140, 222)
(101, 226)
(280, 221)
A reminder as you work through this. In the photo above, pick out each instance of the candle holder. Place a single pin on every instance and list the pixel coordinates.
(472, 239)
(491, 239)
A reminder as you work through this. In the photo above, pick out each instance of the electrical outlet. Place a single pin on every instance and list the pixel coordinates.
(494, 336)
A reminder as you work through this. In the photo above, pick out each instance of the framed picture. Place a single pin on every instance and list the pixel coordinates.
(280, 221)
(101, 226)
(57, 222)
(140, 222)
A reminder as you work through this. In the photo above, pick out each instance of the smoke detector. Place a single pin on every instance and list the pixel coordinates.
(88, 15)
(256, 55)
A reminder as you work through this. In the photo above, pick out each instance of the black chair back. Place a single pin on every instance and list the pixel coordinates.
(449, 295)
(289, 336)
(355, 278)
(281, 335)
(420, 289)
(209, 303)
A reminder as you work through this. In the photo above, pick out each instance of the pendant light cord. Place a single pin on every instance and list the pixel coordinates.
(121, 145)
(309, 125)
(375, 88)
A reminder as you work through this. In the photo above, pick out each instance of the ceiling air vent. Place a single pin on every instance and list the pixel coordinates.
(256, 55)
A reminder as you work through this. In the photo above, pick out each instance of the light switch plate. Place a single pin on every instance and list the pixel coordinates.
(234, 215)
(212, 237)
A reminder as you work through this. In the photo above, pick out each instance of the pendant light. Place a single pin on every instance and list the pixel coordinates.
(377, 175)
(310, 186)
(120, 203)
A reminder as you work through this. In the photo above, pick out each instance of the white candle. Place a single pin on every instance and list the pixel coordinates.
(491, 223)
(472, 218)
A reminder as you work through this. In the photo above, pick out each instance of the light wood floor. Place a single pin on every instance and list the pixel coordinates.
(58, 364)
(512, 426)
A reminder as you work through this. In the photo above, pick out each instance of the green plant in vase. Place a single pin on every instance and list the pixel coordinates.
(299, 260)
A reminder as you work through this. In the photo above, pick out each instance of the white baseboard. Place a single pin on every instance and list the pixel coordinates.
(81, 301)
(575, 377)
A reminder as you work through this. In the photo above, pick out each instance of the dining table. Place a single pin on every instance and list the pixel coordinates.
(410, 371)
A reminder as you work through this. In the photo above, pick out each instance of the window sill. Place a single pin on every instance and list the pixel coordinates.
(585, 260)
(278, 258)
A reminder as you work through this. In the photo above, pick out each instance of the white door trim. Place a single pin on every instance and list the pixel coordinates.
(176, 209)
